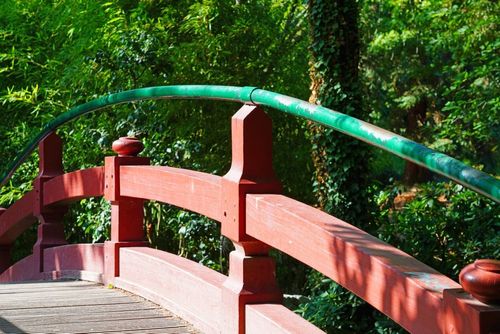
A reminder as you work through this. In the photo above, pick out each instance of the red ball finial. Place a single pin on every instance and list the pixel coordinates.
(482, 280)
(127, 146)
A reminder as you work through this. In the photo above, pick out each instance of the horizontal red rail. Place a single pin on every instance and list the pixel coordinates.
(387, 278)
(17, 218)
(194, 191)
(74, 186)
(64, 188)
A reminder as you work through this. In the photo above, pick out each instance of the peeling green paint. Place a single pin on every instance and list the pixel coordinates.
(373, 135)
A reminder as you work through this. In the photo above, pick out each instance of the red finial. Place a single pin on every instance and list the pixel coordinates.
(482, 280)
(127, 146)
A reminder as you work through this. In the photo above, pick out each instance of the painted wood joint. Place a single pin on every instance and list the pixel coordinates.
(251, 169)
(50, 228)
(127, 213)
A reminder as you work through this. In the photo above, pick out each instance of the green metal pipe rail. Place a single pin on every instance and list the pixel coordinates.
(398, 145)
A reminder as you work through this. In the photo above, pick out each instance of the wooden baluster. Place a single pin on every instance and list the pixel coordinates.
(5, 252)
(50, 228)
(127, 214)
(251, 271)
(476, 308)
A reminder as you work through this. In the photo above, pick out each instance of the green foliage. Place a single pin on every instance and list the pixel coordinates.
(441, 224)
(336, 310)
(441, 55)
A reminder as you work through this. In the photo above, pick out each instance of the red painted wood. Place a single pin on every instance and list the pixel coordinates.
(465, 314)
(127, 146)
(22, 270)
(112, 174)
(79, 261)
(389, 279)
(77, 257)
(252, 280)
(482, 280)
(251, 271)
(5, 251)
(194, 191)
(127, 213)
(74, 186)
(251, 168)
(187, 288)
(50, 229)
(276, 319)
(17, 218)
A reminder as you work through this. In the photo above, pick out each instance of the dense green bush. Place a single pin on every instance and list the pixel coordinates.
(442, 224)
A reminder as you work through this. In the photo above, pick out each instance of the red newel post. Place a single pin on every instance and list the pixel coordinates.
(476, 308)
(251, 271)
(127, 214)
(5, 256)
(50, 229)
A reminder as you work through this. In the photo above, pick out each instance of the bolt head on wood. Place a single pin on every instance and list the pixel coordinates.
(127, 146)
(482, 280)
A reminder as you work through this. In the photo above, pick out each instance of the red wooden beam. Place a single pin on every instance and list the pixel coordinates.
(190, 190)
(398, 285)
(185, 287)
(80, 261)
(17, 218)
(74, 186)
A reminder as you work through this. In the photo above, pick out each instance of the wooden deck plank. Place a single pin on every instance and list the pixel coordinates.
(75, 318)
(76, 309)
(81, 307)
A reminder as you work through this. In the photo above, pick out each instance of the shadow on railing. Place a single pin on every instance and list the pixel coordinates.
(255, 217)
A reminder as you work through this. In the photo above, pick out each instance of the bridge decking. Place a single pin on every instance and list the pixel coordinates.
(81, 307)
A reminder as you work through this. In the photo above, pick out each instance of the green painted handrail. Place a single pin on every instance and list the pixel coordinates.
(398, 145)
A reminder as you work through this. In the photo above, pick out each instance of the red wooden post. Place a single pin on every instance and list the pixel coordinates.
(5, 258)
(50, 229)
(126, 213)
(251, 271)
(476, 308)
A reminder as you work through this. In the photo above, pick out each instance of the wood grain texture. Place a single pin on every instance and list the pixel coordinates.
(17, 218)
(194, 191)
(74, 186)
(80, 307)
(187, 288)
(397, 284)
(84, 257)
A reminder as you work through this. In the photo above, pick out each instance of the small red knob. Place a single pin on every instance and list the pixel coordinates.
(127, 146)
(482, 280)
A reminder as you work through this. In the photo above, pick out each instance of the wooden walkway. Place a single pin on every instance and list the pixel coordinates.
(81, 307)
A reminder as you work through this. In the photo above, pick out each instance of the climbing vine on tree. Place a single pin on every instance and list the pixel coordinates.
(339, 161)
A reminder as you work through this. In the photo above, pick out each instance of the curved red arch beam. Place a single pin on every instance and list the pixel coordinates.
(387, 278)
(65, 188)
(191, 190)
(74, 186)
(17, 218)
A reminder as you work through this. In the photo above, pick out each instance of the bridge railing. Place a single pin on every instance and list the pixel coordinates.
(255, 217)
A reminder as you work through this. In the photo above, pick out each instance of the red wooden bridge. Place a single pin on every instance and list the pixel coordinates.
(255, 217)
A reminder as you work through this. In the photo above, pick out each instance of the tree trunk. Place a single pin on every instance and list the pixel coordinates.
(340, 162)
